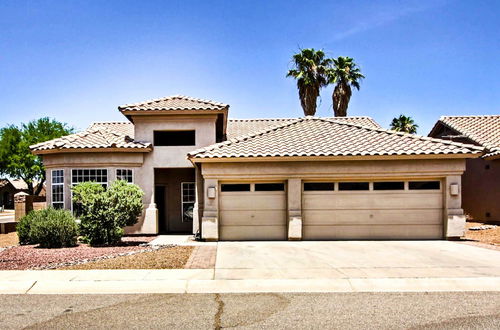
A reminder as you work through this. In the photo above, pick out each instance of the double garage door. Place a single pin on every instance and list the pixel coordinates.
(334, 210)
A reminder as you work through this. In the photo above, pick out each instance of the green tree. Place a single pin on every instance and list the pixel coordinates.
(344, 74)
(311, 67)
(16, 159)
(404, 124)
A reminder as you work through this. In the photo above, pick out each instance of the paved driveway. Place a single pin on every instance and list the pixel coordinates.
(354, 259)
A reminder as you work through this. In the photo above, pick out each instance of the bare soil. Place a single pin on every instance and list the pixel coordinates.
(9, 239)
(488, 236)
(166, 258)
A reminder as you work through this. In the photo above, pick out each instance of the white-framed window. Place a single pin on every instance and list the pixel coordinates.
(58, 189)
(188, 198)
(79, 175)
(125, 174)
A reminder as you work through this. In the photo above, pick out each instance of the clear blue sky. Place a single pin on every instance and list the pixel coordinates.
(78, 60)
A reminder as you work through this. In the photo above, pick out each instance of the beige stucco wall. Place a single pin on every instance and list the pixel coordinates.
(166, 157)
(448, 171)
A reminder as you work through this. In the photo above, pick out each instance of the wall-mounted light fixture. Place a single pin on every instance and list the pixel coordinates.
(454, 191)
(211, 192)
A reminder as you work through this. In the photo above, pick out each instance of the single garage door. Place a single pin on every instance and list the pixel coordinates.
(252, 211)
(373, 210)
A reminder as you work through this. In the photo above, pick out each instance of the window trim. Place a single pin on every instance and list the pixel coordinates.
(125, 169)
(182, 199)
(52, 184)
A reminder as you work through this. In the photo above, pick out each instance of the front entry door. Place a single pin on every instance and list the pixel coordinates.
(161, 204)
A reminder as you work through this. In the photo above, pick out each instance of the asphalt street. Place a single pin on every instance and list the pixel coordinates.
(458, 310)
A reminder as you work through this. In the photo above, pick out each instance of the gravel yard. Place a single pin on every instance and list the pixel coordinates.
(9, 239)
(31, 257)
(164, 258)
(488, 236)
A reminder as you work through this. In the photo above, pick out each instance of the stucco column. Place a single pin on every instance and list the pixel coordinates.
(294, 209)
(454, 214)
(150, 225)
(198, 205)
(209, 221)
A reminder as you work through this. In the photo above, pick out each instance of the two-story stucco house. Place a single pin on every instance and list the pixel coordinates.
(304, 178)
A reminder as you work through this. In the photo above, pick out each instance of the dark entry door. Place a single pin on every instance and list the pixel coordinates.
(161, 201)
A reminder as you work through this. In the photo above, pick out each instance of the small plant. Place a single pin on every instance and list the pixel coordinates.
(50, 228)
(104, 213)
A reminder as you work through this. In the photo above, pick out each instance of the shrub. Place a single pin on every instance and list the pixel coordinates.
(23, 228)
(50, 228)
(104, 213)
(54, 229)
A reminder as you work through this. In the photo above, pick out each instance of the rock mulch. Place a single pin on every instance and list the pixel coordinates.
(489, 234)
(7, 240)
(31, 257)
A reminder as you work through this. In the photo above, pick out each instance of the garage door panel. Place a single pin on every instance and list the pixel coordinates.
(373, 217)
(251, 202)
(256, 233)
(254, 217)
(373, 201)
(374, 232)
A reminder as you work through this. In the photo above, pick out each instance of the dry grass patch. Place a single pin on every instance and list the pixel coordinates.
(488, 236)
(9, 239)
(166, 258)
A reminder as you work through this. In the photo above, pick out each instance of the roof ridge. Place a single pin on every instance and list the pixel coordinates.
(469, 116)
(293, 118)
(413, 136)
(171, 97)
(244, 137)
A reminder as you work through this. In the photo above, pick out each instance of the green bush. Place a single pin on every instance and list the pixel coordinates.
(23, 228)
(104, 213)
(50, 228)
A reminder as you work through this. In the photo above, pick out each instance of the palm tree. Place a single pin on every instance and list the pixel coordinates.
(311, 67)
(344, 74)
(404, 124)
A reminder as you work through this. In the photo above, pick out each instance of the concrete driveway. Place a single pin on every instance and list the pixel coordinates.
(354, 259)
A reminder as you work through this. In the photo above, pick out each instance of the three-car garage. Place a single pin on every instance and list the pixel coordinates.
(389, 209)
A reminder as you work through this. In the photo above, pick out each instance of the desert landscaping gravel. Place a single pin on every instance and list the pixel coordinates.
(488, 236)
(31, 257)
(9, 239)
(163, 258)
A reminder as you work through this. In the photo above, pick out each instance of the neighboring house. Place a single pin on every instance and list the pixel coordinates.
(481, 180)
(297, 178)
(10, 187)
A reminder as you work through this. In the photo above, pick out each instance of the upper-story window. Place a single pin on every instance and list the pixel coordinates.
(174, 138)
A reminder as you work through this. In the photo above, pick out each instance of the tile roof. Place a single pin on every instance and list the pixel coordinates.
(124, 128)
(484, 130)
(18, 184)
(313, 136)
(99, 138)
(240, 127)
(175, 102)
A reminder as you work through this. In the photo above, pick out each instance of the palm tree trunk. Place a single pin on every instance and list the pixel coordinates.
(341, 97)
(308, 100)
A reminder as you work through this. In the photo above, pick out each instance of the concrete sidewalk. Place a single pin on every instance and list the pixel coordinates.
(203, 281)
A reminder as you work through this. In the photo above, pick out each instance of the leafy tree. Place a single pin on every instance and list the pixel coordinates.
(311, 67)
(404, 124)
(344, 74)
(16, 159)
(104, 213)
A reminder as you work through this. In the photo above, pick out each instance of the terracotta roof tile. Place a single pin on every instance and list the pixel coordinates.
(99, 138)
(240, 127)
(484, 130)
(124, 128)
(176, 102)
(312, 136)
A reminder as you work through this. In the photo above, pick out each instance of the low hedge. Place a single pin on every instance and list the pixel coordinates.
(50, 228)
